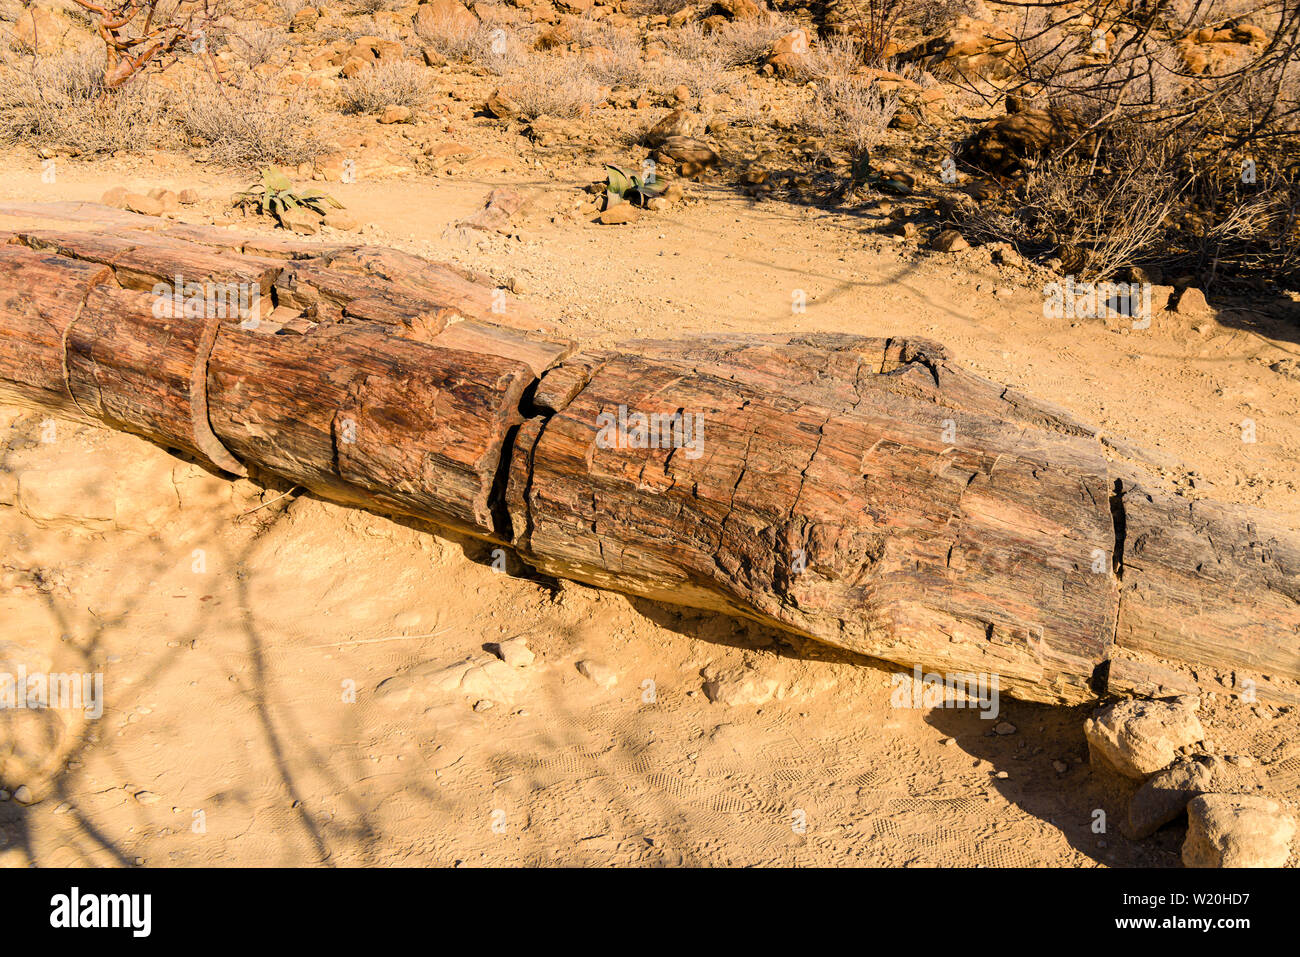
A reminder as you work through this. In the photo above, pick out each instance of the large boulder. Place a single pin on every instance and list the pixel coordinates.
(971, 48)
(439, 19)
(1237, 830)
(1138, 738)
(1009, 143)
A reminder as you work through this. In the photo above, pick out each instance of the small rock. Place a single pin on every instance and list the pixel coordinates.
(601, 674)
(1192, 303)
(115, 196)
(188, 197)
(146, 797)
(1060, 766)
(144, 205)
(1005, 727)
(1234, 830)
(501, 106)
(619, 214)
(515, 653)
(395, 114)
(301, 221)
(1138, 738)
(949, 241)
(341, 219)
(23, 795)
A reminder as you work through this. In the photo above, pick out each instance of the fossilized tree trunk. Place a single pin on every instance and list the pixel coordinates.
(868, 493)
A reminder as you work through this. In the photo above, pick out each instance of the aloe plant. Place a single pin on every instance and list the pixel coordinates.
(621, 185)
(275, 196)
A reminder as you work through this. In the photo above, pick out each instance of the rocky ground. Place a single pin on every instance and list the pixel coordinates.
(288, 682)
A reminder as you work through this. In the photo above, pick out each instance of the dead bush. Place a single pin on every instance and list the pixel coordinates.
(1098, 215)
(389, 83)
(250, 123)
(493, 45)
(255, 44)
(848, 108)
(746, 42)
(552, 86)
(61, 100)
(1164, 94)
(834, 58)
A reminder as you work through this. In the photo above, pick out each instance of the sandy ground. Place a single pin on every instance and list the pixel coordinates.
(298, 684)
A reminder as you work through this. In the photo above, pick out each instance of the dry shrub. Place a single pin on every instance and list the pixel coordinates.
(289, 8)
(1110, 213)
(390, 83)
(496, 46)
(1155, 128)
(255, 44)
(873, 22)
(655, 8)
(852, 109)
(932, 17)
(61, 100)
(375, 6)
(620, 61)
(694, 61)
(250, 123)
(552, 86)
(746, 42)
(369, 27)
(834, 58)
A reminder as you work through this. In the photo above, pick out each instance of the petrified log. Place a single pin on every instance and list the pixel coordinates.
(867, 493)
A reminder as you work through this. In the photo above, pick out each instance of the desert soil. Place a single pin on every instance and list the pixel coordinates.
(290, 682)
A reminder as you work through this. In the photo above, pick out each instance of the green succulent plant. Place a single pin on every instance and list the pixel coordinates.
(275, 196)
(620, 185)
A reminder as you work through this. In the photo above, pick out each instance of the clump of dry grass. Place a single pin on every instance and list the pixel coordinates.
(250, 123)
(616, 57)
(390, 83)
(60, 100)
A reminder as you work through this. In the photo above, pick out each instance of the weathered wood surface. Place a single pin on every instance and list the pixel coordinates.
(843, 490)
(867, 493)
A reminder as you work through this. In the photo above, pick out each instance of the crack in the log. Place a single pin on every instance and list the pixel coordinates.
(63, 346)
(1119, 522)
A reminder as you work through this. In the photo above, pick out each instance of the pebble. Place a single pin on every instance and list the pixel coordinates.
(1005, 727)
